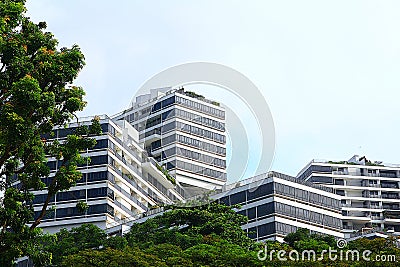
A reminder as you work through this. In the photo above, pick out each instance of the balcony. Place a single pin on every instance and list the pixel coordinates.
(152, 136)
(370, 174)
(375, 218)
(130, 197)
(388, 207)
(389, 185)
(152, 167)
(394, 196)
(388, 174)
(130, 150)
(391, 215)
(375, 207)
(370, 183)
(340, 172)
(371, 196)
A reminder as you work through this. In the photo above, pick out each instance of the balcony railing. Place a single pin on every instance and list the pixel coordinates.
(340, 173)
(371, 185)
(370, 174)
(389, 186)
(130, 197)
(376, 217)
(371, 196)
(388, 175)
(372, 207)
(130, 150)
(118, 204)
(391, 207)
(390, 196)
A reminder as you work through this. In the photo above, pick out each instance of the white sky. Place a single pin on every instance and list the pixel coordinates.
(330, 71)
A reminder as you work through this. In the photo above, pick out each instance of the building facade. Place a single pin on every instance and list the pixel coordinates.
(370, 192)
(118, 183)
(185, 133)
(277, 204)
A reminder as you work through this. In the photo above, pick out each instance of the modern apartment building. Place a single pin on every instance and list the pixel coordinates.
(370, 192)
(118, 183)
(277, 204)
(185, 133)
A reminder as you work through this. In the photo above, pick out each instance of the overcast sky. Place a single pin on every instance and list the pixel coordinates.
(329, 70)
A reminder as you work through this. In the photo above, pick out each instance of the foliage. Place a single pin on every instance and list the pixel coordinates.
(303, 240)
(215, 103)
(82, 206)
(87, 236)
(112, 258)
(188, 226)
(166, 174)
(167, 243)
(221, 253)
(35, 95)
(194, 95)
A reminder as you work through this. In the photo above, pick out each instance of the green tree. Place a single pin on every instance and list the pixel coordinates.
(300, 235)
(36, 95)
(171, 254)
(87, 236)
(132, 257)
(189, 226)
(221, 253)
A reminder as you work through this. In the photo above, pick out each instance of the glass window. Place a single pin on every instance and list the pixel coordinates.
(237, 198)
(266, 229)
(97, 192)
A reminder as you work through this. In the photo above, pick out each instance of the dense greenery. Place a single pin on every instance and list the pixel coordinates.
(206, 235)
(35, 95)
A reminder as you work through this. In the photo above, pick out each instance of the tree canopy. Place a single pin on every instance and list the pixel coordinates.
(36, 94)
(173, 239)
(188, 226)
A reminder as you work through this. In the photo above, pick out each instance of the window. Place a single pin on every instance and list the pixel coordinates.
(265, 209)
(100, 208)
(340, 192)
(251, 213)
(98, 160)
(225, 200)
(64, 132)
(67, 212)
(71, 195)
(168, 101)
(168, 127)
(39, 199)
(156, 107)
(97, 192)
(261, 191)
(266, 229)
(96, 176)
(103, 143)
(321, 179)
(237, 198)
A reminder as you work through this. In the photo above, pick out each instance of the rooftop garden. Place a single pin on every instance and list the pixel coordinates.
(166, 174)
(368, 163)
(200, 97)
(194, 95)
